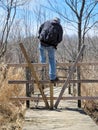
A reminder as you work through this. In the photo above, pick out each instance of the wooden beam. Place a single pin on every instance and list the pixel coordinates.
(51, 95)
(69, 76)
(34, 74)
(26, 65)
(55, 98)
(58, 64)
(48, 81)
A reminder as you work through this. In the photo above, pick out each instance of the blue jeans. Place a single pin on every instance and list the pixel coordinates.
(51, 57)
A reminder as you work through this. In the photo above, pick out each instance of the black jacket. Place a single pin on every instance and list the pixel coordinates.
(56, 38)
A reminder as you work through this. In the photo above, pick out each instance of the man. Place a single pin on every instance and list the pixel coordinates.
(50, 35)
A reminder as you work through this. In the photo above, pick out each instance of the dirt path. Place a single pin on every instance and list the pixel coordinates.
(66, 117)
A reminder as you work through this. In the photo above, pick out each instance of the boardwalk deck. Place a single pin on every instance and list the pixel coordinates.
(66, 117)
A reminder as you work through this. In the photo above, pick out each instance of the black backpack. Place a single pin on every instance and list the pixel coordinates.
(49, 34)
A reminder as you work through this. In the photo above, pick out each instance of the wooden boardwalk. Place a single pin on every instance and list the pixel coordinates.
(66, 117)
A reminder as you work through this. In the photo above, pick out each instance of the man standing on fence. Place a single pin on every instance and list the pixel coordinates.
(50, 35)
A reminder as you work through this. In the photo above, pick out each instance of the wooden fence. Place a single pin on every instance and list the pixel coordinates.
(30, 83)
(32, 79)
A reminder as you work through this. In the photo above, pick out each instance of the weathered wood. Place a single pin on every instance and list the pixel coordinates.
(69, 76)
(79, 86)
(55, 98)
(26, 65)
(51, 95)
(58, 64)
(34, 74)
(47, 81)
(69, 86)
(29, 86)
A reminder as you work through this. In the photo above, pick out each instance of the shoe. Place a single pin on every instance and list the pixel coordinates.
(32, 62)
(55, 80)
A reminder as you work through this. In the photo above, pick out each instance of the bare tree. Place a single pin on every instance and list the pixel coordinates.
(8, 8)
(83, 13)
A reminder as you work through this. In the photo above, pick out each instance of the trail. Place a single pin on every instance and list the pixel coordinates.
(66, 117)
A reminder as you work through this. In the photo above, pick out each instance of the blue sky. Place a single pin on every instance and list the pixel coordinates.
(30, 13)
(47, 12)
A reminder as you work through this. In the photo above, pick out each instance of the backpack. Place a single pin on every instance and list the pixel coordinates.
(49, 34)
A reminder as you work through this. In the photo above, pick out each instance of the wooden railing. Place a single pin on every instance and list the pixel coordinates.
(29, 81)
(39, 83)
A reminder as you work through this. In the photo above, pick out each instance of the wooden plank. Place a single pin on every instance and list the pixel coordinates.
(51, 95)
(58, 64)
(26, 65)
(29, 87)
(55, 98)
(69, 76)
(34, 74)
(48, 81)
(78, 64)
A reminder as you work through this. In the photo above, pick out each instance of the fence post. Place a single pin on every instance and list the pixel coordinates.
(43, 75)
(51, 96)
(69, 87)
(28, 94)
(79, 86)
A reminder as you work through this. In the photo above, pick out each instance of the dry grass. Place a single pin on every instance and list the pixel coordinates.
(90, 89)
(11, 112)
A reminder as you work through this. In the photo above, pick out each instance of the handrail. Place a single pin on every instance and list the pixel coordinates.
(46, 64)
